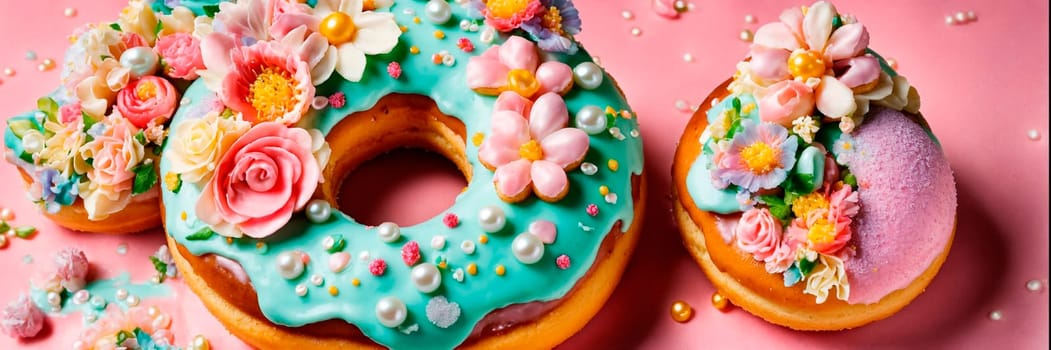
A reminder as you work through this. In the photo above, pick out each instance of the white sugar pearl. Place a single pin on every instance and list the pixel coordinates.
(438, 11)
(132, 300)
(142, 61)
(996, 315)
(32, 141)
(121, 294)
(1033, 134)
(492, 219)
(588, 75)
(688, 57)
(488, 35)
(200, 343)
(591, 119)
(588, 168)
(290, 265)
(388, 232)
(426, 277)
(527, 248)
(317, 280)
(1034, 286)
(301, 290)
(465, 24)
(950, 20)
(81, 296)
(438, 242)
(960, 16)
(54, 299)
(391, 311)
(628, 15)
(749, 19)
(467, 247)
(318, 211)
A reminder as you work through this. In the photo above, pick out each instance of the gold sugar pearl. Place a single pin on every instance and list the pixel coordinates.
(681, 311)
(472, 269)
(500, 270)
(477, 139)
(438, 34)
(483, 239)
(332, 290)
(46, 65)
(200, 343)
(613, 164)
(603, 190)
(720, 302)
(414, 50)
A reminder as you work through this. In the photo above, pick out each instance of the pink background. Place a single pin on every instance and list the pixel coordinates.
(984, 87)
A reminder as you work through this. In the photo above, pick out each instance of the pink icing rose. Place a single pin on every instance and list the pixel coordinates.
(785, 101)
(822, 230)
(517, 60)
(182, 55)
(758, 233)
(147, 99)
(783, 256)
(70, 113)
(71, 265)
(115, 153)
(266, 175)
(131, 40)
(21, 318)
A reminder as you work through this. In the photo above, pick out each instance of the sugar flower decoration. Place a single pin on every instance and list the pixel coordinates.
(142, 325)
(21, 318)
(759, 157)
(115, 153)
(149, 99)
(353, 33)
(506, 15)
(515, 66)
(555, 27)
(532, 154)
(71, 266)
(830, 274)
(201, 144)
(265, 82)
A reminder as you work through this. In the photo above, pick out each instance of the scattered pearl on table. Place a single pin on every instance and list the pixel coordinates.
(438, 11)
(745, 35)
(290, 265)
(9, 71)
(996, 315)
(69, 12)
(688, 57)
(391, 311)
(142, 61)
(591, 119)
(635, 31)
(122, 249)
(6, 214)
(319, 211)
(200, 343)
(628, 15)
(47, 64)
(31, 55)
(588, 75)
(971, 16)
(133, 300)
(426, 277)
(388, 232)
(1034, 286)
(1034, 135)
(681, 311)
(749, 19)
(81, 296)
(3, 241)
(492, 219)
(121, 294)
(33, 141)
(527, 248)
(960, 17)
(681, 6)
(719, 301)
(949, 20)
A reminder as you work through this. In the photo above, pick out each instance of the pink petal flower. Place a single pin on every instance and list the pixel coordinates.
(858, 71)
(758, 233)
(834, 99)
(545, 230)
(513, 178)
(565, 147)
(785, 101)
(777, 36)
(486, 71)
(511, 101)
(71, 265)
(554, 77)
(21, 318)
(519, 53)
(549, 179)
(549, 114)
(847, 41)
(817, 25)
(769, 64)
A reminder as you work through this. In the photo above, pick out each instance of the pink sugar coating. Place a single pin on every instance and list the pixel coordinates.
(908, 205)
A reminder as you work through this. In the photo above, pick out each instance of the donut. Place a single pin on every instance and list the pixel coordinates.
(808, 187)
(526, 255)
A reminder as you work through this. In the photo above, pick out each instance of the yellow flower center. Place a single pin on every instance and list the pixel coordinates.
(338, 28)
(803, 205)
(552, 20)
(821, 232)
(760, 158)
(272, 94)
(523, 82)
(531, 150)
(806, 64)
(506, 8)
(146, 90)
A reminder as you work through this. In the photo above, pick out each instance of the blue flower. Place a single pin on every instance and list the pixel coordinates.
(57, 190)
(555, 27)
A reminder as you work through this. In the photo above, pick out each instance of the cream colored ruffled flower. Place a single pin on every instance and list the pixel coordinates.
(805, 127)
(182, 20)
(829, 274)
(96, 93)
(60, 151)
(140, 19)
(201, 143)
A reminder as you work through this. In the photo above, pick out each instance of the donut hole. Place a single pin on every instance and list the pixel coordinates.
(402, 161)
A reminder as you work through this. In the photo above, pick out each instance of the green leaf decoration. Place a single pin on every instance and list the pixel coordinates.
(778, 207)
(115, 26)
(736, 103)
(201, 235)
(27, 157)
(337, 244)
(145, 178)
(141, 137)
(19, 127)
(146, 341)
(123, 336)
(89, 121)
(4, 226)
(49, 107)
(160, 266)
(24, 232)
(157, 29)
(210, 10)
(850, 179)
(806, 266)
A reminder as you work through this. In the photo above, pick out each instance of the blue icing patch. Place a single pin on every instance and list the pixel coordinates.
(197, 6)
(699, 179)
(478, 294)
(107, 290)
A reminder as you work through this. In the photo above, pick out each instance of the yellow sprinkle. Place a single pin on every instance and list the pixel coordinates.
(626, 114)
(613, 164)
(438, 34)
(472, 269)
(747, 108)
(403, 29)
(182, 216)
(414, 50)
(603, 190)
(500, 270)
(477, 139)
(260, 245)
(483, 239)
(610, 110)
(333, 290)
(356, 282)
(442, 265)
(416, 20)
(229, 240)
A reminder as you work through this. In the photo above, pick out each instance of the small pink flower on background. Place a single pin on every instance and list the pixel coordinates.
(785, 101)
(281, 78)
(71, 266)
(22, 318)
(147, 99)
(182, 55)
(532, 155)
(758, 233)
(265, 176)
(515, 66)
(70, 113)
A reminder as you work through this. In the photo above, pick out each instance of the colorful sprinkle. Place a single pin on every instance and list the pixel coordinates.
(414, 50)
(394, 70)
(465, 44)
(477, 139)
(562, 261)
(472, 269)
(500, 270)
(410, 253)
(416, 20)
(260, 245)
(337, 100)
(438, 34)
(332, 290)
(603, 190)
(436, 59)
(451, 220)
(356, 282)
(377, 267)
(613, 164)
(483, 239)
(592, 209)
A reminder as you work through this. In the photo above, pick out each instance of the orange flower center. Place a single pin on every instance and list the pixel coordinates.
(760, 158)
(338, 28)
(146, 90)
(803, 205)
(821, 232)
(531, 150)
(272, 94)
(806, 64)
(506, 8)
(523, 82)
(552, 20)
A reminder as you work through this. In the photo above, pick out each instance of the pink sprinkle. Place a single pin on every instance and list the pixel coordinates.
(394, 69)
(304, 257)
(451, 220)
(71, 266)
(410, 253)
(21, 318)
(378, 267)
(592, 209)
(465, 44)
(562, 261)
(337, 100)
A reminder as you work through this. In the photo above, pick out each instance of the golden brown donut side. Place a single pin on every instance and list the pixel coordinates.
(139, 215)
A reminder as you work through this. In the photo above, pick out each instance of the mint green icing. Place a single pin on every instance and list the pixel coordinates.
(810, 168)
(197, 6)
(106, 289)
(699, 178)
(579, 235)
